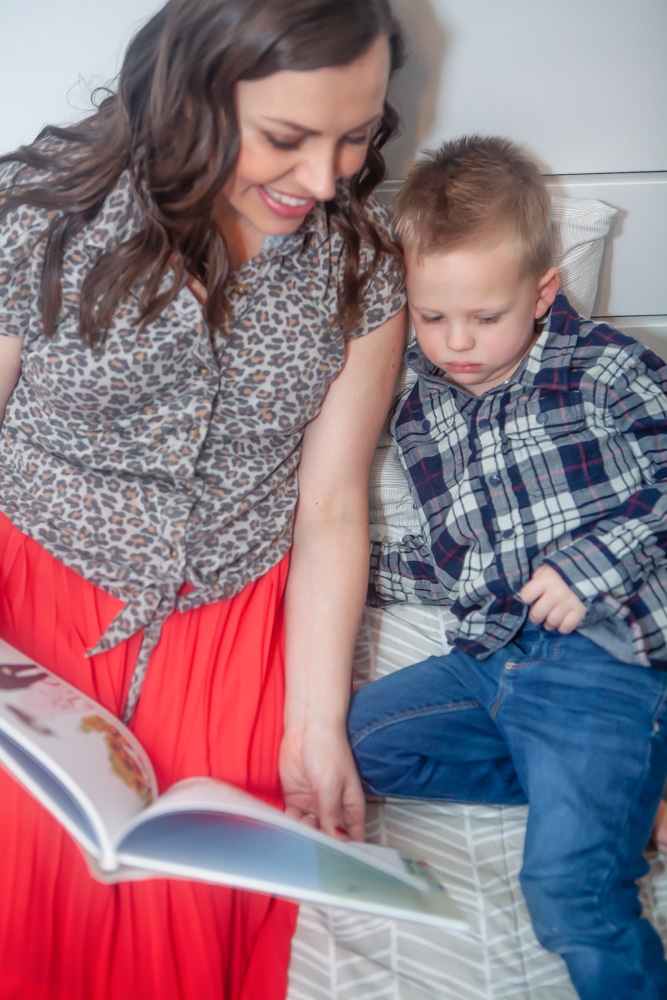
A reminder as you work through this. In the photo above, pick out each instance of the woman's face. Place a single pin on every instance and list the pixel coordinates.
(301, 131)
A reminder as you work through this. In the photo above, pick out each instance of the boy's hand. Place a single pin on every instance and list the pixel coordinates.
(552, 602)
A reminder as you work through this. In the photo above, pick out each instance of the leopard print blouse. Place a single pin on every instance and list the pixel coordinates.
(170, 455)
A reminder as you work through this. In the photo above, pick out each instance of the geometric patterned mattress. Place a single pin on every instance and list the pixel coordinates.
(476, 850)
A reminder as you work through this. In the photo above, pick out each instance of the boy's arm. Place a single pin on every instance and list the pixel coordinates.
(630, 544)
(403, 571)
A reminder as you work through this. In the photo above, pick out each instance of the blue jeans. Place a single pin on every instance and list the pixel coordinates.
(557, 722)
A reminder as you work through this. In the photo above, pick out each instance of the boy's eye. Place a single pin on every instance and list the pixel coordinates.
(283, 144)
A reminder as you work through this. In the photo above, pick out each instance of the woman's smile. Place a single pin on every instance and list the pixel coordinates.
(287, 206)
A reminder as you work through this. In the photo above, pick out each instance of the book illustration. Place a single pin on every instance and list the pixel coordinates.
(31, 721)
(39, 693)
(98, 776)
(17, 676)
(44, 696)
(121, 757)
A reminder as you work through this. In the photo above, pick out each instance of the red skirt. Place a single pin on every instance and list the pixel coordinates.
(212, 704)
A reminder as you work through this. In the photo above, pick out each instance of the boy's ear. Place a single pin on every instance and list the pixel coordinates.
(547, 289)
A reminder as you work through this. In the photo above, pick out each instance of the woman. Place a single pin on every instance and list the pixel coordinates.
(185, 279)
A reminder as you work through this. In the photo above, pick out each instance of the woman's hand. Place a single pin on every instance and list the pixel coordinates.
(320, 783)
(552, 603)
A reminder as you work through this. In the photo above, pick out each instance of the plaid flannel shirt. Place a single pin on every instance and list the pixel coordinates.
(564, 464)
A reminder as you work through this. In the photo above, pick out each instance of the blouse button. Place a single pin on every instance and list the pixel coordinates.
(194, 433)
(494, 479)
(174, 553)
(241, 288)
(204, 371)
(190, 484)
(541, 418)
(508, 533)
(426, 425)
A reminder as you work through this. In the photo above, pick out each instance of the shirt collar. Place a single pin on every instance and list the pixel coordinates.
(313, 231)
(550, 367)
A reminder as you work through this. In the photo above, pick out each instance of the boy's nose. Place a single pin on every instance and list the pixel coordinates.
(459, 339)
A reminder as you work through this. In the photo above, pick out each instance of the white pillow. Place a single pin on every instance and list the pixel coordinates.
(579, 228)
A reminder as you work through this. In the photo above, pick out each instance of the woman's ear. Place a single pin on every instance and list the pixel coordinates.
(547, 289)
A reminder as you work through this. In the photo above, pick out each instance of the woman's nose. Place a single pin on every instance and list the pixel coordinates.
(318, 173)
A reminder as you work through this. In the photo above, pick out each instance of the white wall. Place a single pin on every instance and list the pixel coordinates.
(54, 52)
(582, 82)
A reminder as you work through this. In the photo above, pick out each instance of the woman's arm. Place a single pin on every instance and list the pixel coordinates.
(327, 583)
(10, 369)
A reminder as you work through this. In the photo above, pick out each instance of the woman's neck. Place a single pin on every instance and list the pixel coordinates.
(242, 241)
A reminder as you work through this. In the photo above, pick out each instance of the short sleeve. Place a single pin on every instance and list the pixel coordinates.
(21, 263)
(384, 295)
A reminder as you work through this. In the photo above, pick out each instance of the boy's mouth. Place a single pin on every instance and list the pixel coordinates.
(459, 367)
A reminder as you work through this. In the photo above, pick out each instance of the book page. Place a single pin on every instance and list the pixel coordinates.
(91, 763)
(204, 829)
(199, 795)
(246, 853)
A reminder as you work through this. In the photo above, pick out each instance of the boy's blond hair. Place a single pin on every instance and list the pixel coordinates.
(472, 190)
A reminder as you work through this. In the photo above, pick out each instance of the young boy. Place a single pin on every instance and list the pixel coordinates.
(535, 443)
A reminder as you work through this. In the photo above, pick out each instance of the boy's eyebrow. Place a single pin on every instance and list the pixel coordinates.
(423, 308)
(286, 123)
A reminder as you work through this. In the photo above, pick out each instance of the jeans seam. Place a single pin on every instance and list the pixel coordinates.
(375, 727)
(500, 697)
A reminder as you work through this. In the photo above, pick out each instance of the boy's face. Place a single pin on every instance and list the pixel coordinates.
(474, 311)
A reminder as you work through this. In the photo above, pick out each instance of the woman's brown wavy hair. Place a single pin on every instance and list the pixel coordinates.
(191, 54)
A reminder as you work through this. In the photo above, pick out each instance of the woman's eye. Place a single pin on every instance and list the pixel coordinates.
(487, 320)
(358, 140)
(283, 144)
(432, 319)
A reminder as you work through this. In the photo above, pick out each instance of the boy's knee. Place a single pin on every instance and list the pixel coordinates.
(565, 910)
(553, 911)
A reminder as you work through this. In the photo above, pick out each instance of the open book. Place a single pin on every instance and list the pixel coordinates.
(93, 775)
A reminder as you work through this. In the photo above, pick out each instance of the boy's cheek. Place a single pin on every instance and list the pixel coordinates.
(428, 343)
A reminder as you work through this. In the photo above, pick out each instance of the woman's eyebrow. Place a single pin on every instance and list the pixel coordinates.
(286, 123)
